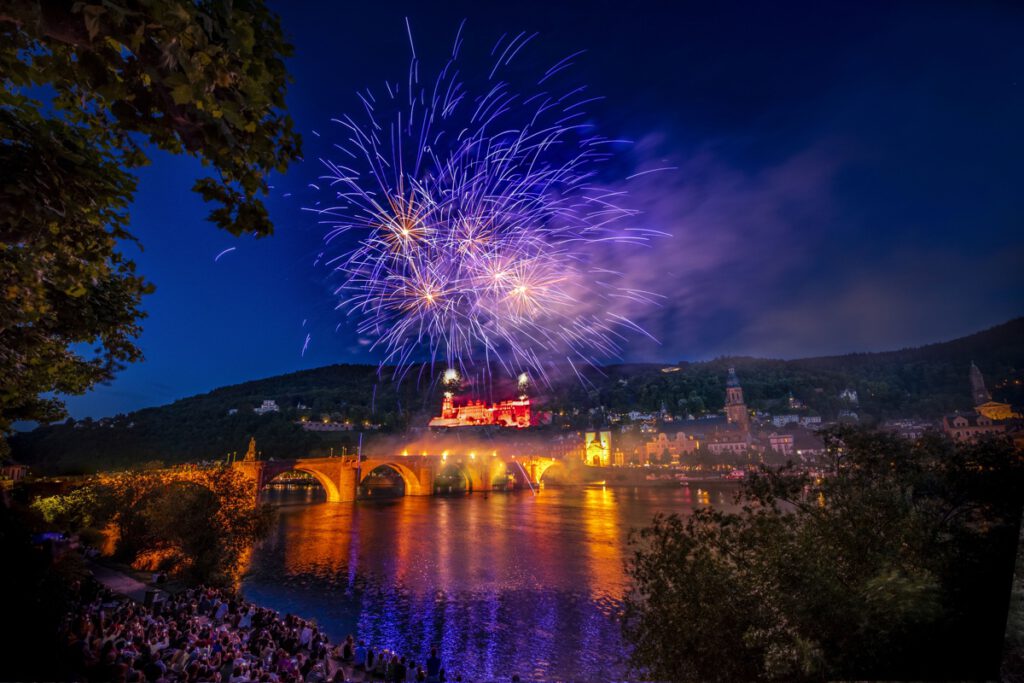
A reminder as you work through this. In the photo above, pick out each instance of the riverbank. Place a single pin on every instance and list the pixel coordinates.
(131, 630)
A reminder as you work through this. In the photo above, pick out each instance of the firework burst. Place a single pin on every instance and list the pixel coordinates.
(474, 214)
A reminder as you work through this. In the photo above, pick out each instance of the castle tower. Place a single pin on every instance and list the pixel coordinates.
(978, 391)
(735, 408)
(448, 406)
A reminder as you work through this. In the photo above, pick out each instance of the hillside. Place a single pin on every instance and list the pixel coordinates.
(920, 382)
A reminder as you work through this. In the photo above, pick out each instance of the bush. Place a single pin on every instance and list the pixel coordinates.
(897, 564)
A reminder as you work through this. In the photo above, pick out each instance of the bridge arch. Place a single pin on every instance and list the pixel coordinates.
(554, 468)
(329, 486)
(475, 473)
(409, 478)
(534, 468)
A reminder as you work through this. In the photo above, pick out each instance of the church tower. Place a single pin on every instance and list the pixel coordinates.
(735, 408)
(978, 391)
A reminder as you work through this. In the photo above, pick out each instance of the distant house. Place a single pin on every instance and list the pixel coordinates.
(908, 428)
(965, 427)
(849, 395)
(781, 443)
(676, 446)
(783, 420)
(326, 426)
(13, 472)
(808, 444)
(268, 406)
(232, 411)
(810, 420)
(731, 441)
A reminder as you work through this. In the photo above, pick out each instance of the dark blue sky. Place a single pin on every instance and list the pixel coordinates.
(849, 178)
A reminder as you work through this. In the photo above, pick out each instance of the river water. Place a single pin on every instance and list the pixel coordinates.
(502, 583)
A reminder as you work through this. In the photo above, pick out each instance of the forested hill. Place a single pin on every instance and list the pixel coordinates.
(920, 382)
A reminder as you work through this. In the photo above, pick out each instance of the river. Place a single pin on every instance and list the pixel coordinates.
(501, 583)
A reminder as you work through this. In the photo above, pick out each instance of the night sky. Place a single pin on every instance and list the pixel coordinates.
(848, 179)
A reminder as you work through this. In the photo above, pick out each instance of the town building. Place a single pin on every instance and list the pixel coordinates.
(326, 426)
(732, 441)
(13, 472)
(783, 420)
(734, 436)
(782, 444)
(989, 417)
(268, 406)
(598, 449)
(908, 428)
(676, 447)
(808, 445)
(964, 427)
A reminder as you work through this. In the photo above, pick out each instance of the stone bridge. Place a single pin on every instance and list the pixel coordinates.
(341, 476)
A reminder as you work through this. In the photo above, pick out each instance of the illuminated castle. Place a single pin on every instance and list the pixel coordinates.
(514, 413)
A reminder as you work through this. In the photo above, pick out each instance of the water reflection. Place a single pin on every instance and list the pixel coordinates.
(503, 583)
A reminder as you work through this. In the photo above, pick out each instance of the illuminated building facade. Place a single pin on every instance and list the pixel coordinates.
(599, 449)
(515, 413)
(676, 447)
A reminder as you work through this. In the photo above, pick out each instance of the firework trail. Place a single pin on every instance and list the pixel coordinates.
(226, 251)
(473, 215)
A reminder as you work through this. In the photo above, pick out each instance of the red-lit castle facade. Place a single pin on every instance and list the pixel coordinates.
(515, 413)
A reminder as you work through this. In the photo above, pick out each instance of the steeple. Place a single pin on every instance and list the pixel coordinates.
(978, 391)
(735, 408)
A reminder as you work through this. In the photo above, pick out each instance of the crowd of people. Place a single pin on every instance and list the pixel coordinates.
(205, 635)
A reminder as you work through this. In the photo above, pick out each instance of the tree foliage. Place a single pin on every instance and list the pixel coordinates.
(198, 524)
(85, 85)
(896, 565)
(923, 382)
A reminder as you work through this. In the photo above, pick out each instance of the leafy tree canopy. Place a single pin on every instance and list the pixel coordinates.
(896, 565)
(85, 84)
(197, 524)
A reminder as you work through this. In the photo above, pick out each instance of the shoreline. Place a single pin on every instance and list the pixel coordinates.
(335, 667)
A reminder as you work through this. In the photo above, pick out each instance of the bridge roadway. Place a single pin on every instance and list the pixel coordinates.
(341, 476)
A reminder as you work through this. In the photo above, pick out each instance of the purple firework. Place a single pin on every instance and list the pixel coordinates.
(474, 216)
